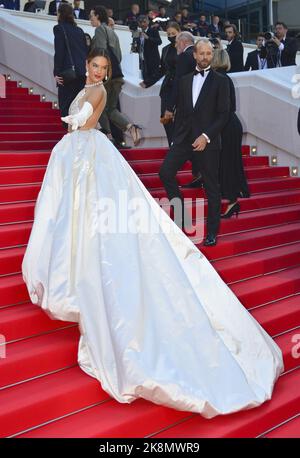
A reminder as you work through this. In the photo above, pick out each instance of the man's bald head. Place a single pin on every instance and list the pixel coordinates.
(203, 53)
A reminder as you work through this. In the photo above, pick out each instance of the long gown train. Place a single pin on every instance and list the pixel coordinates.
(156, 320)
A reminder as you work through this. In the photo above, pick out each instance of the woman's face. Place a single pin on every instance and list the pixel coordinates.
(93, 19)
(97, 69)
(171, 32)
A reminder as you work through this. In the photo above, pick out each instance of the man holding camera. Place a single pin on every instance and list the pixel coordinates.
(287, 47)
(257, 59)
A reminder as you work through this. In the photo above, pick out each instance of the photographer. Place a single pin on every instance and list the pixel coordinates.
(257, 59)
(286, 46)
(147, 47)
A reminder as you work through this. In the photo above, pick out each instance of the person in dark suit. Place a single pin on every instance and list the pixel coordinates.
(287, 46)
(215, 27)
(185, 64)
(202, 112)
(30, 6)
(235, 49)
(78, 12)
(54, 5)
(11, 4)
(147, 44)
(168, 67)
(62, 60)
(257, 59)
(233, 183)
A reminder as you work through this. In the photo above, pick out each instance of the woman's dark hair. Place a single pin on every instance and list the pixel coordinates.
(65, 11)
(174, 25)
(99, 52)
(101, 13)
(88, 40)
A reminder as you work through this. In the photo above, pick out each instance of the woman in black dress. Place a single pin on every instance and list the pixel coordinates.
(168, 69)
(70, 50)
(233, 182)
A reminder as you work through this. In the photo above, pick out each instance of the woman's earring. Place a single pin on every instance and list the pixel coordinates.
(106, 77)
(86, 73)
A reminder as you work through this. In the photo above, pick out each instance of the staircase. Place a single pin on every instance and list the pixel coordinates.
(43, 392)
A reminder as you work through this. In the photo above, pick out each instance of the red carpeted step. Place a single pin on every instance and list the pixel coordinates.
(39, 355)
(259, 263)
(22, 175)
(14, 234)
(22, 97)
(29, 136)
(11, 259)
(249, 423)
(25, 320)
(27, 145)
(15, 103)
(28, 112)
(253, 173)
(232, 244)
(115, 420)
(111, 419)
(54, 118)
(260, 218)
(288, 430)
(16, 92)
(280, 315)
(46, 398)
(24, 159)
(153, 166)
(268, 288)
(12, 290)
(255, 186)
(287, 342)
(15, 193)
(135, 154)
(11, 213)
(53, 127)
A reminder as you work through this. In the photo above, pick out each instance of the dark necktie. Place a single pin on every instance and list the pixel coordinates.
(197, 71)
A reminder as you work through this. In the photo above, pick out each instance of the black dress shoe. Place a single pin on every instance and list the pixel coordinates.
(211, 240)
(196, 183)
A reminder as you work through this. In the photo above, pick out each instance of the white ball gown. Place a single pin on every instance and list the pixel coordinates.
(156, 320)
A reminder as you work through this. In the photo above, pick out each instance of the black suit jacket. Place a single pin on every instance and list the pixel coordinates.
(82, 14)
(288, 55)
(236, 53)
(78, 49)
(52, 7)
(151, 53)
(185, 65)
(252, 61)
(210, 113)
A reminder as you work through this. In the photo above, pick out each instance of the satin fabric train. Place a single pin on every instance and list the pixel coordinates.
(156, 320)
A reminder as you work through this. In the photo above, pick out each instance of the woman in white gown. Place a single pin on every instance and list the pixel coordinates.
(156, 320)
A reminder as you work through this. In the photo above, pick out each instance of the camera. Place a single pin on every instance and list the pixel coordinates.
(135, 35)
(269, 35)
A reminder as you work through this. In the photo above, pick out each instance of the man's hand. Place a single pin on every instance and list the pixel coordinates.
(168, 115)
(200, 143)
(143, 34)
(276, 41)
(59, 80)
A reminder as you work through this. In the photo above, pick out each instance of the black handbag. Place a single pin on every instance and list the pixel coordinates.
(68, 75)
(115, 65)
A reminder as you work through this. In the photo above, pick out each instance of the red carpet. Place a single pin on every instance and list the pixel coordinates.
(43, 392)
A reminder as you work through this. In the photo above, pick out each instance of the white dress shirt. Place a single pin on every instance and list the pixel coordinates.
(198, 82)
